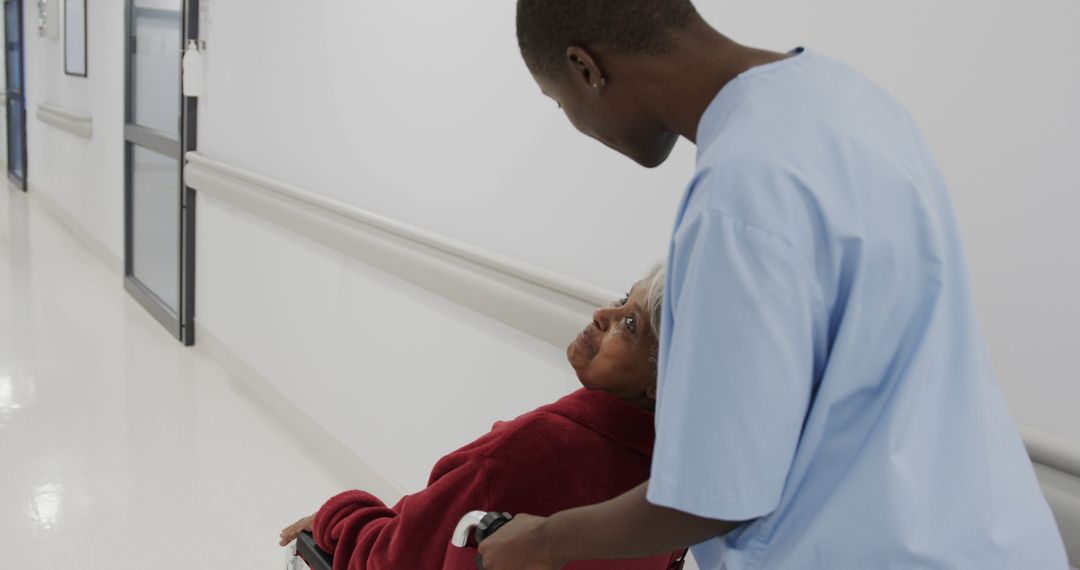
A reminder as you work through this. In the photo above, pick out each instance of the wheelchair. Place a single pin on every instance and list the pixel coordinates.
(471, 530)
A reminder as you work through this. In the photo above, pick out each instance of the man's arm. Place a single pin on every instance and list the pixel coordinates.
(624, 527)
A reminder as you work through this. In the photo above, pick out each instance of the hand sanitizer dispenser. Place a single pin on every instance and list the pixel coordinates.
(193, 70)
(49, 18)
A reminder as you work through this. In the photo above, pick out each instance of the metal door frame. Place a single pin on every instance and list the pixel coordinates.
(182, 323)
(20, 183)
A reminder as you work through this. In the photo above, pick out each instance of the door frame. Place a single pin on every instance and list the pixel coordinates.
(15, 180)
(181, 324)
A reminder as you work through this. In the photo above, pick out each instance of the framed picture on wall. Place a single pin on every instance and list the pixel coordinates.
(75, 37)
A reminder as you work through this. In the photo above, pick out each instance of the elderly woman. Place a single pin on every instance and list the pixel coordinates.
(590, 446)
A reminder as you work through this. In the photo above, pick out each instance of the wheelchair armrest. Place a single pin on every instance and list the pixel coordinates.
(473, 528)
(315, 557)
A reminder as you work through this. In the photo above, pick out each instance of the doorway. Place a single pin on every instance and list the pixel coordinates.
(159, 209)
(15, 96)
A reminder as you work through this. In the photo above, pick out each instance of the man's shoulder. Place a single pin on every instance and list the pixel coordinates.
(751, 190)
(783, 159)
(772, 115)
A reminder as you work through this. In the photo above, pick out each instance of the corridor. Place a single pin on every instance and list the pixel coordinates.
(119, 447)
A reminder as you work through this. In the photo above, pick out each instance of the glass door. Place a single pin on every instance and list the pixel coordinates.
(160, 128)
(14, 95)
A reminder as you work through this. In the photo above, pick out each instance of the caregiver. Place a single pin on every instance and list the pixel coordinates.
(825, 396)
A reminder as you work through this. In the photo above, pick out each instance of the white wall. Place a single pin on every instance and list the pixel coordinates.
(85, 177)
(423, 112)
(399, 374)
(463, 146)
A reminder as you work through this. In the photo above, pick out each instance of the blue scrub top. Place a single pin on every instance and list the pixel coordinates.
(822, 372)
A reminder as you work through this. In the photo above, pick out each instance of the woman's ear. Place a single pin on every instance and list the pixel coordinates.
(650, 393)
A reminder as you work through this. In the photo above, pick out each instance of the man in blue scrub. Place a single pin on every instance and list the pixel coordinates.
(826, 399)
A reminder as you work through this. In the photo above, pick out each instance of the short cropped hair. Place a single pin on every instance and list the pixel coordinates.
(546, 28)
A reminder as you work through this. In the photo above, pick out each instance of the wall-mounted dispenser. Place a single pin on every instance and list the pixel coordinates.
(193, 70)
(48, 20)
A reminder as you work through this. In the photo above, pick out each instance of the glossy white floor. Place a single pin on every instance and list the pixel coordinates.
(119, 448)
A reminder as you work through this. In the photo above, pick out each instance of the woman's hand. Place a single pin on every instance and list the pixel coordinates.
(289, 533)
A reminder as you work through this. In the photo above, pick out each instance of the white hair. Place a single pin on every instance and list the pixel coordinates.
(653, 282)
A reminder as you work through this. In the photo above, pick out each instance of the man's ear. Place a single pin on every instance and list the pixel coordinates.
(651, 392)
(585, 67)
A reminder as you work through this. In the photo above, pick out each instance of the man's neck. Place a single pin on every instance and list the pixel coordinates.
(680, 85)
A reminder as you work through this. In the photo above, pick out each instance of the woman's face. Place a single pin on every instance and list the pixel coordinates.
(616, 353)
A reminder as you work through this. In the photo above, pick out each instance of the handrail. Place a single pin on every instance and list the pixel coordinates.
(501, 263)
(541, 303)
(1052, 450)
(549, 307)
(75, 123)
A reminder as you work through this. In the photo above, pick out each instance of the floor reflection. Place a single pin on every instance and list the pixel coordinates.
(45, 506)
(16, 393)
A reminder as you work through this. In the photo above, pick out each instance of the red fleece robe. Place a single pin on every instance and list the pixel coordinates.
(586, 448)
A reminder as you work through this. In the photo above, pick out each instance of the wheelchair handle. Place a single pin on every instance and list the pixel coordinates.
(478, 526)
(491, 524)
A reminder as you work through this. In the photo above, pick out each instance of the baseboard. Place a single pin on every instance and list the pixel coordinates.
(324, 447)
(76, 228)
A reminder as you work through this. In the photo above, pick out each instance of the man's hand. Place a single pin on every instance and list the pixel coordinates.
(289, 533)
(519, 546)
(625, 527)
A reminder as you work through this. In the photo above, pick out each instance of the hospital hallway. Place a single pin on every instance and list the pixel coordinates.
(119, 447)
(257, 254)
